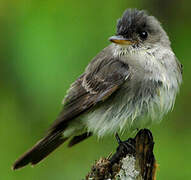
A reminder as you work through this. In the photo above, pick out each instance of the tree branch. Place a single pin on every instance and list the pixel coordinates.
(133, 160)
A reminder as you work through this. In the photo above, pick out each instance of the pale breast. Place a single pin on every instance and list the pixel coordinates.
(130, 108)
(147, 95)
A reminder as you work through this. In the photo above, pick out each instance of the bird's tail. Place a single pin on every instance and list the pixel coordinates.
(40, 150)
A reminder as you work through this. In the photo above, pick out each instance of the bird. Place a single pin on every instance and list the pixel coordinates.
(132, 83)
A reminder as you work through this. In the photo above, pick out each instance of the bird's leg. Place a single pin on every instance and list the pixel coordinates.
(124, 148)
(128, 143)
(118, 138)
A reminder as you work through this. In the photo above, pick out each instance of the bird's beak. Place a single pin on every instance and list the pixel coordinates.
(121, 40)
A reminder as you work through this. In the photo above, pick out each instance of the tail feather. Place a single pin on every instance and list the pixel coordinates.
(40, 150)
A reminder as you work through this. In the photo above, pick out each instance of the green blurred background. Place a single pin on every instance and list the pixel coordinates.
(44, 46)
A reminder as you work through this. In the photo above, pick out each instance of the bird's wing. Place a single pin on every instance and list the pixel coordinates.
(102, 77)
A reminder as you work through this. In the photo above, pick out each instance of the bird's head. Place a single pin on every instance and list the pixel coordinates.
(137, 29)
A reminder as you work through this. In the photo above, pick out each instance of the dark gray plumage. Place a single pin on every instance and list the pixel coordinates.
(131, 21)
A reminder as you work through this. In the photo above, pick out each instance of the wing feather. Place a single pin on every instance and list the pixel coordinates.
(103, 76)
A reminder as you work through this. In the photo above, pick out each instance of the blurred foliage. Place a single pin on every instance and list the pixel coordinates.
(44, 46)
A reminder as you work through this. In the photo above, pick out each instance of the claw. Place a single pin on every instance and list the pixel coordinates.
(124, 148)
(127, 144)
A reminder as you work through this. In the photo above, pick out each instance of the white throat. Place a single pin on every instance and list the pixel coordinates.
(145, 62)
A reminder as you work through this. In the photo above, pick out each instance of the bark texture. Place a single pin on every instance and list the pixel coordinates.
(133, 160)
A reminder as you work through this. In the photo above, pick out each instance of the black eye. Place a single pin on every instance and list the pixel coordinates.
(143, 35)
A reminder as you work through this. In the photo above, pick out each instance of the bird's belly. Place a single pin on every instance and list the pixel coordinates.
(126, 110)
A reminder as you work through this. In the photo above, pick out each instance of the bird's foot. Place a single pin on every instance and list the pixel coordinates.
(128, 144)
(124, 148)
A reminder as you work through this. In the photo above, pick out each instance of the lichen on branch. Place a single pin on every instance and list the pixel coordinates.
(133, 160)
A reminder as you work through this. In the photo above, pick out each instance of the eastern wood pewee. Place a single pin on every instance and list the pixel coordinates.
(129, 84)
